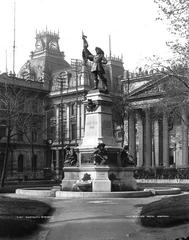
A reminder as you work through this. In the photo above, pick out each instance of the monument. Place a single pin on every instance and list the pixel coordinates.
(99, 163)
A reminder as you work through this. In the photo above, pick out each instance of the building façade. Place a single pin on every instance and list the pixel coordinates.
(158, 117)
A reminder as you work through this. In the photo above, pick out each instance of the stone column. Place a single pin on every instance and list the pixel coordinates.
(57, 123)
(165, 141)
(132, 134)
(148, 139)
(68, 122)
(140, 132)
(156, 142)
(78, 120)
(184, 121)
(82, 120)
(57, 164)
(52, 165)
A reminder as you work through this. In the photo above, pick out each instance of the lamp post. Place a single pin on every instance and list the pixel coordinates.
(62, 80)
(76, 67)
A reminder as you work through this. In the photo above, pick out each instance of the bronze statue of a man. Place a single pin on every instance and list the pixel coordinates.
(98, 60)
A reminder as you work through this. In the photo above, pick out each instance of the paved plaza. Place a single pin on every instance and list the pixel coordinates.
(102, 219)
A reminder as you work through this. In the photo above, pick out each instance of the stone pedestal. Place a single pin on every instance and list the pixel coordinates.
(98, 128)
(124, 179)
(103, 178)
(71, 176)
(101, 182)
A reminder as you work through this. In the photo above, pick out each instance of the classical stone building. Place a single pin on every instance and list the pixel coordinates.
(63, 86)
(157, 119)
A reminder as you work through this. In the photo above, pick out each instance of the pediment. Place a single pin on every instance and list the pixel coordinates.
(151, 89)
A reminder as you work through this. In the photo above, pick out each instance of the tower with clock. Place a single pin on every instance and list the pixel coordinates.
(47, 41)
(46, 60)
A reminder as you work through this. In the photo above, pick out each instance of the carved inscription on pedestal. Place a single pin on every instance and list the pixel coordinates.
(106, 128)
(91, 126)
(101, 175)
(87, 159)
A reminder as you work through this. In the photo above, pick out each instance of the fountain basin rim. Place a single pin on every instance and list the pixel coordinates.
(71, 194)
(100, 168)
(125, 194)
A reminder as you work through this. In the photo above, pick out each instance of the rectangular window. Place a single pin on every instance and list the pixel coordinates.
(20, 163)
(2, 131)
(73, 131)
(34, 106)
(34, 163)
(73, 109)
(52, 132)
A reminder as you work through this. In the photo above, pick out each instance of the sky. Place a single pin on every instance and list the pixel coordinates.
(135, 33)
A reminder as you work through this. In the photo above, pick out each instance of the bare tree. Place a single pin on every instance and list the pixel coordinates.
(176, 14)
(14, 117)
(120, 112)
(175, 71)
(37, 126)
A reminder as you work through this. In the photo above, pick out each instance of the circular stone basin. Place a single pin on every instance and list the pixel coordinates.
(55, 192)
(39, 192)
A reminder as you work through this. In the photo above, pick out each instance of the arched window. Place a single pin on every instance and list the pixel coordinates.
(34, 163)
(20, 163)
